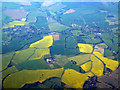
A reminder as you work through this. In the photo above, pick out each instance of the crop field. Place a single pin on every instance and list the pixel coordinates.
(18, 23)
(59, 45)
(30, 76)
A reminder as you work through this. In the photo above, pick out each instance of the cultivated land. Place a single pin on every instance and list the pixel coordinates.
(59, 45)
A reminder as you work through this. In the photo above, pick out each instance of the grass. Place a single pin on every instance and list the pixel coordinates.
(71, 42)
(61, 60)
(19, 79)
(56, 66)
(9, 71)
(34, 65)
(107, 53)
(17, 43)
(115, 40)
(70, 65)
(91, 35)
(53, 83)
(111, 45)
(106, 36)
(6, 58)
(56, 7)
(5, 19)
(32, 16)
(80, 58)
(55, 26)
(57, 50)
(61, 40)
(92, 41)
(76, 32)
(72, 18)
(14, 45)
(72, 52)
(43, 45)
(102, 45)
(41, 23)
(22, 55)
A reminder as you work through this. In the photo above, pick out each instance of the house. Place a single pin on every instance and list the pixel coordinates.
(50, 60)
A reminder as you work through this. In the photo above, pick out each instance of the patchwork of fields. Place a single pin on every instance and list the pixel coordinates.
(59, 45)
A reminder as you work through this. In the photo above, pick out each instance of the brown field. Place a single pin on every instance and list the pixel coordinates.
(51, 65)
(61, 60)
(70, 11)
(16, 13)
(101, 50)
(56, 37)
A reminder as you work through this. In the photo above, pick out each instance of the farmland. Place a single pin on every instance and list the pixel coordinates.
(59, 45)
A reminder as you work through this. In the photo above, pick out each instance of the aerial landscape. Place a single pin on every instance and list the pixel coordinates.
(60, 45)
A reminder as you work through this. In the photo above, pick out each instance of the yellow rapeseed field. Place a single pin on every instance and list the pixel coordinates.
(39, 53)
(111, 64)
(19, 79)
(46, 42)
(17, 23)
(85, 48)
(97, 66)
(75, 79)
(86, 66)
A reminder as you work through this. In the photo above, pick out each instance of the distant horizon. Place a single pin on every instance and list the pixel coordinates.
(60, 0)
